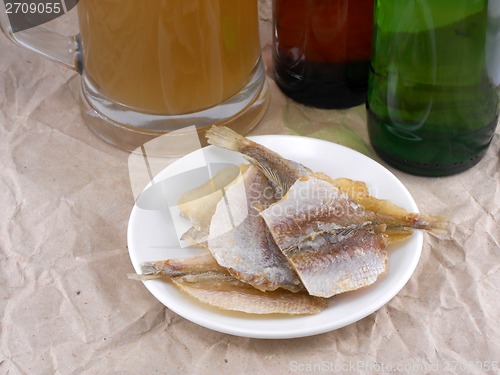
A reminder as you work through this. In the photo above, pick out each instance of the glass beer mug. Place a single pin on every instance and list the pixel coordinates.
(151, 69)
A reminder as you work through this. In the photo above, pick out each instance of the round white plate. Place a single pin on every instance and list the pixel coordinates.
(154, 230)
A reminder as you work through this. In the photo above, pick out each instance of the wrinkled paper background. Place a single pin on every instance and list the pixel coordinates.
(67, 307)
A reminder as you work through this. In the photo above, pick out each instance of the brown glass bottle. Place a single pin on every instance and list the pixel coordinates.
(322, 50)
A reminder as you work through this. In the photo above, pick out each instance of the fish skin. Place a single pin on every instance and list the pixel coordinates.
(311, 207)
(332, 242)
(241, 242)
(280, 171)
(334, 264)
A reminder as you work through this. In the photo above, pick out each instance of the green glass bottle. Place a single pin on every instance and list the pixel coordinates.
(433, 100)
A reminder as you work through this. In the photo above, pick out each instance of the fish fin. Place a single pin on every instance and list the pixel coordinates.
(142, 277)
(224, 137)
(150, 271)
(271, 175)
(150, 268)
(346, 231)
(398, 234)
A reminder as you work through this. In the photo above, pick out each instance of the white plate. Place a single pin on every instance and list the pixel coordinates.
(152, 236)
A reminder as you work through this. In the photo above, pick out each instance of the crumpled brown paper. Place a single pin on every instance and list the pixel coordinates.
(67, 306)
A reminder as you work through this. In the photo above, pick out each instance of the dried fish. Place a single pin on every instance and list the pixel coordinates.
(225, 292)
(283, 173)
(240, 241)
(399, 221)
(311, 207)
(331, 241)
(282, 238)
(331, 264)
(201, 277)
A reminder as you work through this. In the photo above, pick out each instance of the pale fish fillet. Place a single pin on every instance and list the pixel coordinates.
(198, 205)
(331, 241)
(311, 207)
(240, 241)
(334, 264)
(225, 292)
(280, 171)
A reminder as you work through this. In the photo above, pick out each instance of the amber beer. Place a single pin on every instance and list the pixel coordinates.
(322, 50)
(172, 56)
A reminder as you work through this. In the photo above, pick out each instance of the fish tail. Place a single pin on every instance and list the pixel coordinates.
(431, 223)
(224, 137)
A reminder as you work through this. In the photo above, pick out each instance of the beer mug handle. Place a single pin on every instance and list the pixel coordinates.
(60, 48)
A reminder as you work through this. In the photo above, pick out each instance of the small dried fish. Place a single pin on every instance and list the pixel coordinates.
(240, 241)
(225, 292)
(201, 277)
(398, 220)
